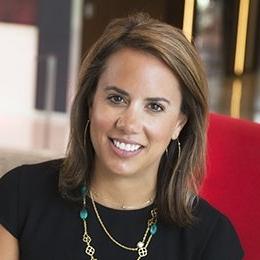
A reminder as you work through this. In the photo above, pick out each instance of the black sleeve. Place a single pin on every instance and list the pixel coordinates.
(9, 201)
(223, 243)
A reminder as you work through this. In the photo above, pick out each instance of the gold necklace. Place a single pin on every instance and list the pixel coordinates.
(141, 246)
(122, 206)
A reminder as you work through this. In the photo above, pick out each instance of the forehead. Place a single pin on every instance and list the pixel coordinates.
(135, 70)
(133, 57)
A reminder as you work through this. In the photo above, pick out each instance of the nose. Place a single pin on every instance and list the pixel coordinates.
(130, 121)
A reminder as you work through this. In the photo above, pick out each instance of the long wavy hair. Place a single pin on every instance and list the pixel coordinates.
(178, 178)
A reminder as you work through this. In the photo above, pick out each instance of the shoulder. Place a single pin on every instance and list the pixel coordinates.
(23, 190)
(215, 233)
(206, 214)
(34, 171)
(207, 218)
(33, 177)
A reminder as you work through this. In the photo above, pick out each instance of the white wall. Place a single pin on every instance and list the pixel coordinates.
(18, 66)
(21, 126)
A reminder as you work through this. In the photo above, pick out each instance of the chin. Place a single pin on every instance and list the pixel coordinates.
(122, 171)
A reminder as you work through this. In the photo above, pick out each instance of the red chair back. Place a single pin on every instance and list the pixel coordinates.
(232, 183)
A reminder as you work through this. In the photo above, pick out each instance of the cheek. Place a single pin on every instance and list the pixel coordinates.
(161, 132)
(99, 126)
(101, 120)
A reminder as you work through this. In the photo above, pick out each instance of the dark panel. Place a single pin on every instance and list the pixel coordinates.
(251, 41)
(257, 40)
(174, 12)
(54, 35)
(230, 17)
(104, 11)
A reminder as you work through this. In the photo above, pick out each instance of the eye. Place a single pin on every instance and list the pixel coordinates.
(116, 99)
(155, 107)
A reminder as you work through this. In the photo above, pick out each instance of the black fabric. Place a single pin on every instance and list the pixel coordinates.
(49, 227)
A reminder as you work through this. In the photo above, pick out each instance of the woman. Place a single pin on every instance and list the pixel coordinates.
(127, 188)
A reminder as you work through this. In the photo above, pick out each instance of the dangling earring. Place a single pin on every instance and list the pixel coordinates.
(85, 133)
(166, 152)
(179, 148)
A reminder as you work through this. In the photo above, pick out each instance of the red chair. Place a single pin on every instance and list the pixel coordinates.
(232, 183)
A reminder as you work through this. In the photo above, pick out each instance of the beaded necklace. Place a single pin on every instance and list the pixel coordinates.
(141, 246)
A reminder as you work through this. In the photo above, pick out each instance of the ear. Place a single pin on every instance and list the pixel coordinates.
(182, 120)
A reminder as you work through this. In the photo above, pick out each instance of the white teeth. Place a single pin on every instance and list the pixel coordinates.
(122, 146)
(126, 147)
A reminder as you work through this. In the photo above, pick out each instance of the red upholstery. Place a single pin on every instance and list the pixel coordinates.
(232, 183)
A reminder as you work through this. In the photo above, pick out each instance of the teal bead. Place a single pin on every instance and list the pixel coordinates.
(153, 229)
(83, 214)
(83, 190)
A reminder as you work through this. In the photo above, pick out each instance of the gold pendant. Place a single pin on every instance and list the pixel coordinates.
(90, 250)
(142, 252)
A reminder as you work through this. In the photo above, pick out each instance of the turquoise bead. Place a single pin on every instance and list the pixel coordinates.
(83, 190)
(153, 229)
(83, 214)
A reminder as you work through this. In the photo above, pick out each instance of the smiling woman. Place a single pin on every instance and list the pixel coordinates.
(128, 185)
(145, 96)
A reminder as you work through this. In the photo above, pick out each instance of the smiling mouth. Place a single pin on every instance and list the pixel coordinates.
(127, 147)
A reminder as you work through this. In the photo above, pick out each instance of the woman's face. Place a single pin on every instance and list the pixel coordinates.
(134, 115)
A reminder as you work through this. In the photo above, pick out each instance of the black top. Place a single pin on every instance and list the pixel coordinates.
(49, 227)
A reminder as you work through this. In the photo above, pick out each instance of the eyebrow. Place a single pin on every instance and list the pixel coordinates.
(119, 90)
(122, 92)
(156, 99)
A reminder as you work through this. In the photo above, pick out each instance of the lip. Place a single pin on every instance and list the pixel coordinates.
(121, 153)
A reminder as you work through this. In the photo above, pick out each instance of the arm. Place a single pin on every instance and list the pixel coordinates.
(9, 249)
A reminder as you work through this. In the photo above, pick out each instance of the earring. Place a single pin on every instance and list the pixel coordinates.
(85, 133)
(166, 151)
(179, 148)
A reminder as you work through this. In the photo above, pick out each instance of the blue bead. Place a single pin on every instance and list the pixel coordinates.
(153, 229)
(83, 190)
(83, 214)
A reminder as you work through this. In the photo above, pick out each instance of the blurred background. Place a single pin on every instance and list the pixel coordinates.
(42, 43)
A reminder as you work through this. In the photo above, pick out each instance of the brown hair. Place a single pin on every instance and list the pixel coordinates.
(178, 178)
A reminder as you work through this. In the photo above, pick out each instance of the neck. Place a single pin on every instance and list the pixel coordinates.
(123, 192)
